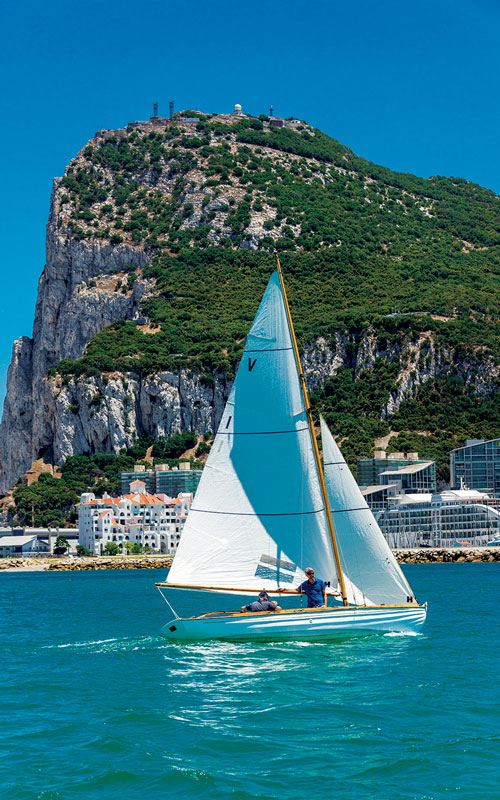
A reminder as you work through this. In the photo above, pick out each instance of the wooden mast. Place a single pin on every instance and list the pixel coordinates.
(310, 421)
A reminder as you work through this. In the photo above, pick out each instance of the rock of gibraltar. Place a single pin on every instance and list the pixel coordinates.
(159, 245)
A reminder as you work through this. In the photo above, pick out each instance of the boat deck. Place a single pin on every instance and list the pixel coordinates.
(319, 610)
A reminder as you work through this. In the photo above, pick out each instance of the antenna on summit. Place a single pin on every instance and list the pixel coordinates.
(171, 107)
(155, 109)
(270, 111)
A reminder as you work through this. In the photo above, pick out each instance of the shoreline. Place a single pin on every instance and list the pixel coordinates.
(422, 555)
(84, 563)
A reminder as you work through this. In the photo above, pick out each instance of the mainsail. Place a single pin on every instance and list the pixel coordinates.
(367, 561)
(258, 518)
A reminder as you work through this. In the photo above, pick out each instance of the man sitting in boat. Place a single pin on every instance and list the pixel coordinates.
(315, 590)
(262, 604)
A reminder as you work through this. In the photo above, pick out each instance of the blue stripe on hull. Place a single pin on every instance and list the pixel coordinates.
(298, 626)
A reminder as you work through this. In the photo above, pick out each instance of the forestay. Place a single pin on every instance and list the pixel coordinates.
(258, 517)
(367, 561)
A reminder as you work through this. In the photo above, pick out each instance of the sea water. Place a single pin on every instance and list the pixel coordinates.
(95, 704)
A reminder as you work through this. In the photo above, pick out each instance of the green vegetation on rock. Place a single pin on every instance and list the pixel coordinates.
(411, 263)
(51, 500)
(54, 500)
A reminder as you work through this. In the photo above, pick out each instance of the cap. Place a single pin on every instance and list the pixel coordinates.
(263, 594)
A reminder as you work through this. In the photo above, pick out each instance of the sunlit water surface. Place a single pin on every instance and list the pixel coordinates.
(95, 704)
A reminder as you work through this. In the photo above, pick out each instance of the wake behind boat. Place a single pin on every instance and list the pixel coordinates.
(256, 523)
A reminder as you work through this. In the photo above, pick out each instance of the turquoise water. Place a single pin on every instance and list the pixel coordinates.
(95, 704)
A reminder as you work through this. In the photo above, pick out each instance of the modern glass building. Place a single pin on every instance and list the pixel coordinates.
(163, 480)
(175, 481)
(148, 476)
(440, 520)
(379, 497)
(477, 465)
(414, 478)
(411, 473)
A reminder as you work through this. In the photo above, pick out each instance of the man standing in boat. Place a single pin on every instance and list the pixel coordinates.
(315, 590)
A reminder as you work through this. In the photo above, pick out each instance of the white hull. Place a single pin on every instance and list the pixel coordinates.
(298, 624)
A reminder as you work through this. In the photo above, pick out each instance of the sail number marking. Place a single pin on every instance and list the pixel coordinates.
(251, 364)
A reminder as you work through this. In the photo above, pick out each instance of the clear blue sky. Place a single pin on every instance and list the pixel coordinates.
(410, 85)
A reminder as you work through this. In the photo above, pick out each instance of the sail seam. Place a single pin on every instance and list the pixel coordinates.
(263, 514)
(257, 433)
(332, 463)
(268, 350)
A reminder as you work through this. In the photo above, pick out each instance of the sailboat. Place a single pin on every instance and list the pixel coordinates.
(266, 508)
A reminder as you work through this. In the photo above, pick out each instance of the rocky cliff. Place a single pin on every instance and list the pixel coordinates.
(135, 209)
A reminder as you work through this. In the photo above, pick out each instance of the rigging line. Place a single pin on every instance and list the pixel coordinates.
(263, 514)
(174, 612)
(346, 510)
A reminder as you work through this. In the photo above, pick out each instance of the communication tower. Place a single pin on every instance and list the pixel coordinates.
(171, 107)
(155, 109)
(270, 111)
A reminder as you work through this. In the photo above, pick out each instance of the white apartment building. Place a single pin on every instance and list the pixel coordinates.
(152, 520)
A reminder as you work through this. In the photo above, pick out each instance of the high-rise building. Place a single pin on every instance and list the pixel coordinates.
(477, 465)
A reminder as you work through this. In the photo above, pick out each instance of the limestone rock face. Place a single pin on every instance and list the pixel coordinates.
(68, 313)
(17, 422)
(104, 414)
(77, 298)
(419, 362)
(321, 359)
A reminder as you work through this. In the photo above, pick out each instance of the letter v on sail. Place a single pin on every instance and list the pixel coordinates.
(258, 521)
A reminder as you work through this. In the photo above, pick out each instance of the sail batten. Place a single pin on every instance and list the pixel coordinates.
(347, 510)
(258, 433)
(260, 513)
(268, 350)
(259, 504)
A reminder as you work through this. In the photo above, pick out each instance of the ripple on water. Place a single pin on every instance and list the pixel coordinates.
(97, 705)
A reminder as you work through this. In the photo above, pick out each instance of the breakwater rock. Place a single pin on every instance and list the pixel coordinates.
(424, 555)
(90, 563)
(113, 562)
(428, 555)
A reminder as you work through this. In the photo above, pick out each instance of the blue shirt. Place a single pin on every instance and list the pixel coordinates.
(314, 592)
(262, 605)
